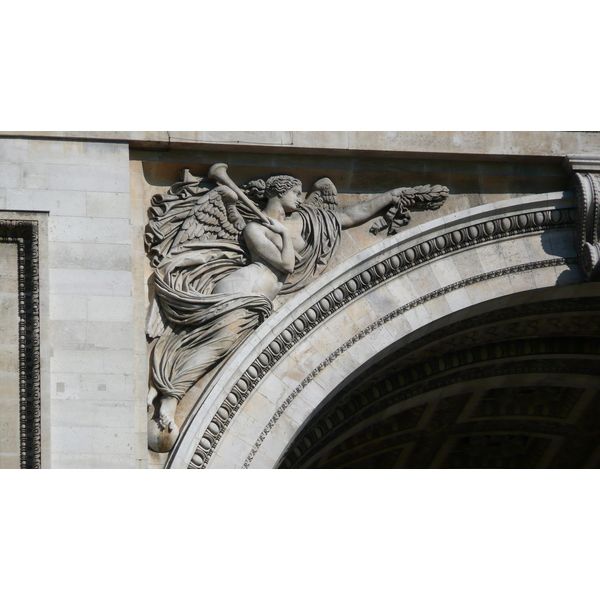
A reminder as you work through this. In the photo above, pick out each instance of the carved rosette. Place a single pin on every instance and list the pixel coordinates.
(587, 188)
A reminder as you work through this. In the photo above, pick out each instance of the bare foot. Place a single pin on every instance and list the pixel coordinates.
(166, 413)
(162, 430)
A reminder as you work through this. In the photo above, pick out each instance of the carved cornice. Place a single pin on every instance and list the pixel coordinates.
(25, 235)
(440, 245)
(583, 163)
(587, 188)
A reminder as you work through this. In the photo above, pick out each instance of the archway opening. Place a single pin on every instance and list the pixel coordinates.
(516, 387)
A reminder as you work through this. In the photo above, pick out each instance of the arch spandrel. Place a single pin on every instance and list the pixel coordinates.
(385, 296)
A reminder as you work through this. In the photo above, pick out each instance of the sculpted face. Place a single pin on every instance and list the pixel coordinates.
(291, 200)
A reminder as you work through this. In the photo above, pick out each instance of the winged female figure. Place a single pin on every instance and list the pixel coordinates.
(220, 261)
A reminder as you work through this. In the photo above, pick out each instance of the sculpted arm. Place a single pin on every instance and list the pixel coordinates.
(351, 216)
(258, 243)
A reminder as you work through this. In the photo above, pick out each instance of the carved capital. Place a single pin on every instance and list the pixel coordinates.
(587, 189)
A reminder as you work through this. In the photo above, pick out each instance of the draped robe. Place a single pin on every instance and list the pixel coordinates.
(195, 328)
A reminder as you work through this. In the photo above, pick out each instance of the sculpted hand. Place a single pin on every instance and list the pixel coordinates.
(396, 196)
(276, 226)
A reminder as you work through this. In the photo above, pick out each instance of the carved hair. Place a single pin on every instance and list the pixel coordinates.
(278, 185)
(274, 186)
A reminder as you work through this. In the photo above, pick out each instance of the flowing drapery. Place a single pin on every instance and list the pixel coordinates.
(322, 231)
(195, 328)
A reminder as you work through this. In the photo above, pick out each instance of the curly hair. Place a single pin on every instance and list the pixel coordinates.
(280, 184)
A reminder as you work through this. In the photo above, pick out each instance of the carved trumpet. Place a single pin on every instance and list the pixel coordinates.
(218, 172)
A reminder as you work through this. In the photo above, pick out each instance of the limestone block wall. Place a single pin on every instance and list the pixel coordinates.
(9, 357)
(92, 335)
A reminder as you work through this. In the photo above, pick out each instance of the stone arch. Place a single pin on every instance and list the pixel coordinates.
(383, 298)
(509, 387)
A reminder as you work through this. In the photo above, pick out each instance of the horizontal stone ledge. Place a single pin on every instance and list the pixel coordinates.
(586, 163)
(477, 144)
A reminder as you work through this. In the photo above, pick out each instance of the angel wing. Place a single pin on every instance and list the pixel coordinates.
(323, 195)
(209, 220)
(193, 210)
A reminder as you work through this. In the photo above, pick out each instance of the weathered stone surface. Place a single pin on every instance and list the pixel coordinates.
(84, 187)
(10, 455)
(510, 191)
(479, 143)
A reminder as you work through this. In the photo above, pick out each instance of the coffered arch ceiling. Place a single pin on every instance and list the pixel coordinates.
(515, 387)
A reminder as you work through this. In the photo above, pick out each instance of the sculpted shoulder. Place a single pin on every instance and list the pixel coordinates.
(254, 226)
(254, 229)
(294, 222)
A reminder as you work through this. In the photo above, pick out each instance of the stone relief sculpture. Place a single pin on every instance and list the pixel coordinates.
(221, 254)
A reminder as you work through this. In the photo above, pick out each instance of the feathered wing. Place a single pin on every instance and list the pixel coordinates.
(192, 210)
(207, 221)
(323, 195)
